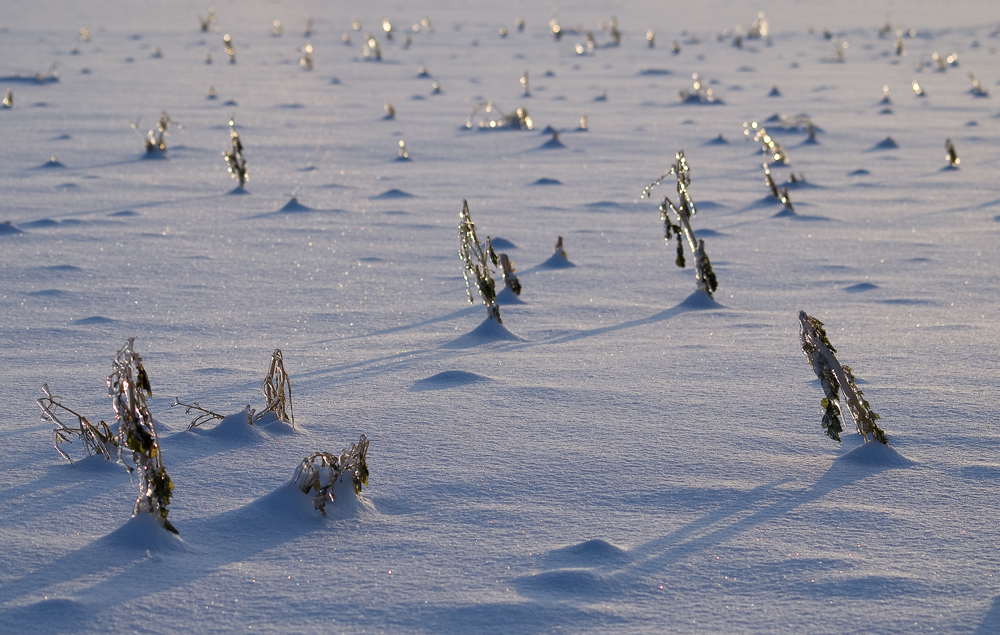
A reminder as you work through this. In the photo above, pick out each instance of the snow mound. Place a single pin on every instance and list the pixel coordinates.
(51, 615)
(718, 141)
(233, 429)
(270, 423)
(556, 261)
(506, 296)
(590, 553)
(502, 243)
(238, 191)
(293, 205)
(447, 379)
(775, 92)
(545, 181)
(700, 300)
(861, 286)
(8, 228)
(487, 332)
(143, 533)
(885, 144)
(390, 194)
(92, 320)
(876, 454)
(52, 164)
(40, 223)
(552, 144)
(287, 502)
(124, 212)
(655, 71)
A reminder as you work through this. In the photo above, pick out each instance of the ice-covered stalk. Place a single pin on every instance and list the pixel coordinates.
(769, 181)
(277, 389)
(319, 472)
(477, 264)
(683, 211)
(510, 280)
(773, 151)
(97, 439)
(952, 156)
(559, 247)
(137, 431)
(835, 378)
(237, 164)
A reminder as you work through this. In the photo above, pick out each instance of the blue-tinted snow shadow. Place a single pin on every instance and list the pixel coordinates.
(406, 327)
(697, 301)
(991, 621)
(128, 565)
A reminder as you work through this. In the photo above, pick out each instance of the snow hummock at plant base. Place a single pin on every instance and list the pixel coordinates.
(556, 261)
(448, 379)
(506, 296)
(689, 442)
(876, 454)
(143, 532)
(7, 228)
(233, 429)
(488, 331)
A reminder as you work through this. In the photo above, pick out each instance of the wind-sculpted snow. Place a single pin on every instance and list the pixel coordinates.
(620, 455)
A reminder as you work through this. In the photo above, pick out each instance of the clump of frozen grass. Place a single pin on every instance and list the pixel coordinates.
(8, 100)
(227, 41)
(276, 28)
(524, 84)
(371, 50)
(769, 182)
(277, 390)
(918, 89)
(682, 229)
(390, 111)
(699, 93)
(234, 159)
(307, 57)
(977, 89)
(496, 119)
(404, 154)
(97, 439)
(154, 140)
(319, 472)
(833, 378)
(651, 38)
(477, 264)
(207, 22)
(952, 156)
(128, 386)
(759, 28)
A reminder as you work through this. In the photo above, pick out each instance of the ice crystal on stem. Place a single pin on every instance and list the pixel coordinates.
(477, 264)
(833, 377)
(319, 472)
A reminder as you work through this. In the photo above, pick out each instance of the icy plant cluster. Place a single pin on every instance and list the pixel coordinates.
(477, 261)
(319, 473)
(681, 227)
(834, 378)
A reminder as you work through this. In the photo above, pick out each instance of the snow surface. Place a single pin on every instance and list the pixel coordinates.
(631, 459)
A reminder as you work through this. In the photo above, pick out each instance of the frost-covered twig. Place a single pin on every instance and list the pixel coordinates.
(137, 431)
(833, 377)
(277, 389)
(477, 263)
(237, 164)
(319, 472)
(205, 416)
(8, 100)
(97, 439)
(682, 228)
(371, 49)
(307, 57)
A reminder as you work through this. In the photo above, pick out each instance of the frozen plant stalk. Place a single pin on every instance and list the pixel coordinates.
(684, 211)
(237, 164)
(97, 439)
(834, 378)
(477, 264)
(510, 280)
(277, 389)
(319, 472)
(952, 156)
(154, 140)
(137, 431)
